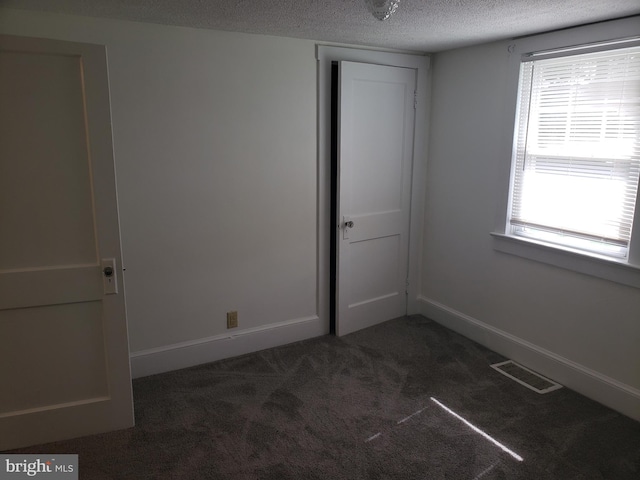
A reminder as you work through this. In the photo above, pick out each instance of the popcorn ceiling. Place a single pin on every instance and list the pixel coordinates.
(420, 25)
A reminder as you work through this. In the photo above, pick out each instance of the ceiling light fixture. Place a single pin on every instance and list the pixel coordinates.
(382, 9)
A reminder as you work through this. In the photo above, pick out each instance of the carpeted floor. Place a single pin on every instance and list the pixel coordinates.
(359, 407)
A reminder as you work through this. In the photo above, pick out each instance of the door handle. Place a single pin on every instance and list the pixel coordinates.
(347, 224)
(109, 277)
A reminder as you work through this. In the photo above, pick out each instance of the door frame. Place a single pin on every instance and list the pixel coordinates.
(325, 55)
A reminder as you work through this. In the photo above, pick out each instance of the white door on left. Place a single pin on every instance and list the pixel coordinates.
(64, 356)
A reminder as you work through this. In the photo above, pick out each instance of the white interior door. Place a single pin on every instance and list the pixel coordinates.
(64, 359)
(375, 152)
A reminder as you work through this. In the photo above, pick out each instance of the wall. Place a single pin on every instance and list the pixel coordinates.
(580, 330)
(215, 151)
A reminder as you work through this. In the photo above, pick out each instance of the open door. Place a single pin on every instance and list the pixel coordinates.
(64, 358)
(376, 117)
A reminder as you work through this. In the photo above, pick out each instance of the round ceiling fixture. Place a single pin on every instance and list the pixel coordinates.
(382, 9)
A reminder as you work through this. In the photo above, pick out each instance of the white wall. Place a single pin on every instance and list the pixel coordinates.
(581, 330)
(215, 150)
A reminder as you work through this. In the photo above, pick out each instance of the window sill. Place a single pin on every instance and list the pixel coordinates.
(596, 266)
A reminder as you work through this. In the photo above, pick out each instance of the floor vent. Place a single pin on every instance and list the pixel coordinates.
(526, 377)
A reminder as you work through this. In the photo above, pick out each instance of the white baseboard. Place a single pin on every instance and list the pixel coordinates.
(205, 350)
(601, 388)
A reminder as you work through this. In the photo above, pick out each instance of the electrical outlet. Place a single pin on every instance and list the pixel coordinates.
(232, 319)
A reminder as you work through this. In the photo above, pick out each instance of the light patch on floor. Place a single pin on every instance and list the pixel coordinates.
(372, 437)
(477, 430)
(486, 470)
(412, 415)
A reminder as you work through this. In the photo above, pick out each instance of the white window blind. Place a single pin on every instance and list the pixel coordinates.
(577, 150)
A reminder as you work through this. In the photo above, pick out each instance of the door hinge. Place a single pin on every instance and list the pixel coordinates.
(415, 100)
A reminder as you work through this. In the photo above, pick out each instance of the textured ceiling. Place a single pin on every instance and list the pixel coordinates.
(422, 25)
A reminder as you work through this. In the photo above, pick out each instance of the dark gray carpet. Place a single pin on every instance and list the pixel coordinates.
(359, 407)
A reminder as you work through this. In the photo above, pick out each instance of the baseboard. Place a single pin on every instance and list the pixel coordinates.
(204, 350)
(601, 388)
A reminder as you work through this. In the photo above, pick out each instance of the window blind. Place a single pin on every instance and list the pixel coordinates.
(577, 150)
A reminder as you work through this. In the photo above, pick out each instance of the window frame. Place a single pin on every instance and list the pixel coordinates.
(625, 271)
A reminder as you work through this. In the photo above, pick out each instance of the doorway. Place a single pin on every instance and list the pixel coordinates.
(331, 224)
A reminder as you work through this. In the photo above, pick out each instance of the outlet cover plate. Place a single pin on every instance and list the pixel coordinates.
(232, 319)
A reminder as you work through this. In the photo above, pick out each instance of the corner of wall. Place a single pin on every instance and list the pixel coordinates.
(594, 385)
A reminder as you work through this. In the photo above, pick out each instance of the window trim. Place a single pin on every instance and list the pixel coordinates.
(564, 257)
(625, 271)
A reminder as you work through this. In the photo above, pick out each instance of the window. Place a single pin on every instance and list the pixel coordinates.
(576, 160)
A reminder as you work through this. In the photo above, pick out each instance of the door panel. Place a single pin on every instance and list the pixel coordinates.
(368, 259)
(377, 143)
(60, 350)
(64, 361)
(375, 153)
(37, 124)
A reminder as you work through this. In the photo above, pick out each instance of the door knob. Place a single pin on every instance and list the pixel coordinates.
(348, 224)
(109, 276)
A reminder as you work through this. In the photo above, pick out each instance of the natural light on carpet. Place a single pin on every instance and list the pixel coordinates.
(477, 430)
